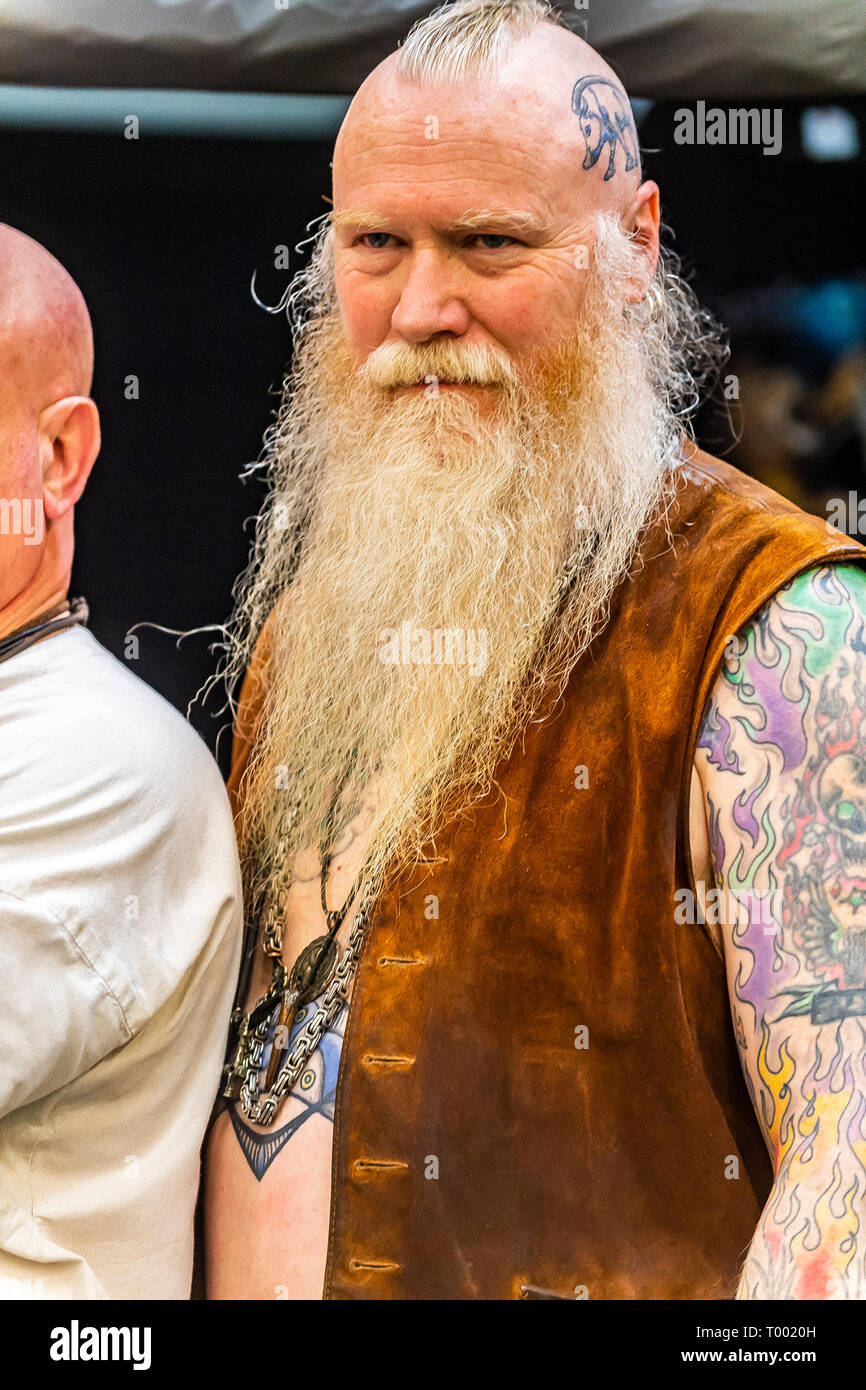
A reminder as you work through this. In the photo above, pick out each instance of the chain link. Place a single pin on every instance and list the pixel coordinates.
(261, 1107)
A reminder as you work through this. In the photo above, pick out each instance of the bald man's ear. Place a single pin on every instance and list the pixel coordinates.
(642, 221)
(69, 440)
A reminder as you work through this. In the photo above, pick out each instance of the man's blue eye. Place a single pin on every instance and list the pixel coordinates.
(383, 238)
(495, 237)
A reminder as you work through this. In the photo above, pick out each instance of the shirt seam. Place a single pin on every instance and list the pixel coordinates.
(70, 935)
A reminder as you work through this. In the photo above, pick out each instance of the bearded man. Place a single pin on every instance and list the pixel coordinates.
(551, 721)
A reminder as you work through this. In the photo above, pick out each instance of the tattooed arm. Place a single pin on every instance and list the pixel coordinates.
(268, 1188)
(782, 763)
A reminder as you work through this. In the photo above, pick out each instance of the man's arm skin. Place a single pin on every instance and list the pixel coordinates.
(782, 762)
(268, 1188)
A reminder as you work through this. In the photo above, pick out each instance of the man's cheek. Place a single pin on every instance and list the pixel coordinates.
(366, 324)
(520, 322)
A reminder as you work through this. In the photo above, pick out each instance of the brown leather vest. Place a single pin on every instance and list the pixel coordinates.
(540, 1084)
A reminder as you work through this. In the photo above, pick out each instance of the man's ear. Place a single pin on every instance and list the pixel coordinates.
(642, 222)
(69, 440)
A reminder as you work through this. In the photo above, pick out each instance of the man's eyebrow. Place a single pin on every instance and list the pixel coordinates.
(503, 219)
(361, 221)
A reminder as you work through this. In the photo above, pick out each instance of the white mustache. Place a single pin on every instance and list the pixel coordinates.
(404, 364)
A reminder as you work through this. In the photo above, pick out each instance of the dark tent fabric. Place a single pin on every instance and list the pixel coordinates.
(663, 49)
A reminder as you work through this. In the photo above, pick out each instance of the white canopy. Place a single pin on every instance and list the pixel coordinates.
(662, 48)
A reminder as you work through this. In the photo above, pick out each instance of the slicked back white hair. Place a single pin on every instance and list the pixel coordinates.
(468, 37)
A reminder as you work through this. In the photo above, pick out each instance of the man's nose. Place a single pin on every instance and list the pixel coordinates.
(429, 303)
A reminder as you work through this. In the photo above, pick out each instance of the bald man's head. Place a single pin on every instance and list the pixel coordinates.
(49, 426)
(46, 341)
(546, 90)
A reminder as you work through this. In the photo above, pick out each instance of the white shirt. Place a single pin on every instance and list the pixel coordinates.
(120, 919)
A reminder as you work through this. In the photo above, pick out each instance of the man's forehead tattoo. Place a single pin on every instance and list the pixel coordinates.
(605, 119)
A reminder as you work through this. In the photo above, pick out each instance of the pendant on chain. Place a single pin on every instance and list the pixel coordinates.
(308, 978)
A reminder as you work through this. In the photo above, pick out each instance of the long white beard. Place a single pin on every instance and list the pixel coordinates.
(424, 536)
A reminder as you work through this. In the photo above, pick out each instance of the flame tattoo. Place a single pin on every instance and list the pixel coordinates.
(782, 758)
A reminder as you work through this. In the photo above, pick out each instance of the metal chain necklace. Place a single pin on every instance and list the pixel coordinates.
(315, 970)
(287, 991)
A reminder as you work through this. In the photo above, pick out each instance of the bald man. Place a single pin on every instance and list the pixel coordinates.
(119, 880)
(552, 725)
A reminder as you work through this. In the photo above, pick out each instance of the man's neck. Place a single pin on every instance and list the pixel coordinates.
(27, 610)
